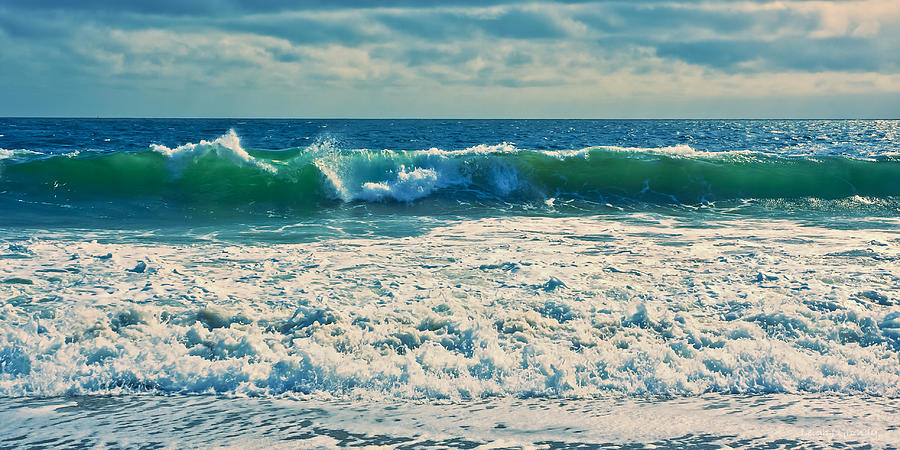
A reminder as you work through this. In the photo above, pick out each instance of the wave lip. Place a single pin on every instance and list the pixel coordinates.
(18, 153)
(226, 147)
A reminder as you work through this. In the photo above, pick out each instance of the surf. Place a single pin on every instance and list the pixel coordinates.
(221, 173)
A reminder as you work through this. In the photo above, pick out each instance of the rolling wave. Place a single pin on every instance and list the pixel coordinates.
(222, 172)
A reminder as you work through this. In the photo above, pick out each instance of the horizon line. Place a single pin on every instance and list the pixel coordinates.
(435, 118)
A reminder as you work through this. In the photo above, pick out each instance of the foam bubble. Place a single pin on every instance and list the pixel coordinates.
(406, 186)
(400, 176)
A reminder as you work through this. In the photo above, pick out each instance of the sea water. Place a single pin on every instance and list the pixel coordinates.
(262, 283)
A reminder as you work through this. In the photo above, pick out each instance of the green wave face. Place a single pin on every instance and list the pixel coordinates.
(220, 175)
(699, 178)
(203, 180)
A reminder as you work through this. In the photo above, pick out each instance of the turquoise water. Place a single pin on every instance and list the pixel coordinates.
(88, 171)
(229, 265)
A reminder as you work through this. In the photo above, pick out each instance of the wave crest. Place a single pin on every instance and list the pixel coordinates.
(227, 147)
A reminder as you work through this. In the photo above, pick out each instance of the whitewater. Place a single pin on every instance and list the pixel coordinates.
(551, 288)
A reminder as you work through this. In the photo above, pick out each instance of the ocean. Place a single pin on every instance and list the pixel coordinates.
(449, 283)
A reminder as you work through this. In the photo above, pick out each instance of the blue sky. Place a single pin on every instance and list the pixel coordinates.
(403, 58)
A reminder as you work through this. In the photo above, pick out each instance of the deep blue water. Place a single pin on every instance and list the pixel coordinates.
(850, 137)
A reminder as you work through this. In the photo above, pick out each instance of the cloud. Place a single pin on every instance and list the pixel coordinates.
(844, 54)
(440, 52)
(345, 30)
(233, 7)
(456, 25)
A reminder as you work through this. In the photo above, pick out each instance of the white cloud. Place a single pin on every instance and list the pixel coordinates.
(594, 53)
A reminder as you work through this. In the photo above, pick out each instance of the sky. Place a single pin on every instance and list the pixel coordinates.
(453, 58)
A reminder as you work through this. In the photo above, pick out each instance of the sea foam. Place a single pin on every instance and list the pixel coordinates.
(547, 307)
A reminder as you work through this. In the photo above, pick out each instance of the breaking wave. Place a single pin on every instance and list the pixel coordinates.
(222, 172)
